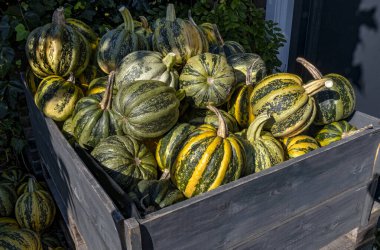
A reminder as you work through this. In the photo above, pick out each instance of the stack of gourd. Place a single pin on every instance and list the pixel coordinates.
(180, 111)
(27, 211)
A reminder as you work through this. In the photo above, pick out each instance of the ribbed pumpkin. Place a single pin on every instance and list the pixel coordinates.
(290, 103)
(205, 45)
(209, 158)
(147, 65)
(8, 198)
(86, 31)
(207, 79)
(176, 35)
(35, 209)
(126, 160)
(56, 97)
(242, 61)
(226, 48)
(238, 106)
(8, 223)
(119, 42)
(20, 239)
(90, 73)
(267, 150)
(93, 118)
(57, 49)
(299, 145)
(335, 103)
(169, 146)
(97, 86)
(208, 31)
(249, 150)
(23, 187)
(148, 108)
(13, 175)
(32, 81)
(333, 132)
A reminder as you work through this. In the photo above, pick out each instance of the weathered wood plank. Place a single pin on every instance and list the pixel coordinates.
(133, 234)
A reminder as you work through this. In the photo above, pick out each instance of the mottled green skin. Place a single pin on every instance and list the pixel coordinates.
(207, 79)
(239, 107)
(241, 61)
(335, 103)
(8, 223)
(68, 130)
(227, 49)
(145, 65)
(90, 73)
(209, 33)
(98, 86)
(299, 145)
(126, 160)
(148, 108)
(169, 145)
(8, 198)
(35, 209)
(19, 239)
(250, 152)
(85, 30)
(333, 132)
(13, 175)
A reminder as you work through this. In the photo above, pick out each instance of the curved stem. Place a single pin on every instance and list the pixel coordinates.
(31, 184)
(248, 77)
(350, 133)
(170, 13)
(169, 60)
(222, 129)
(191, 18)
(217, 34)
(255, 128)
(59, 16)
(144, 22)
(165, 175)
(107, 96)
(128, 20)
(310, 67)
(315, 86)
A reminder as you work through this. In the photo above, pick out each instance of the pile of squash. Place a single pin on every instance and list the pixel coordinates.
(27, 213)
(171, 110)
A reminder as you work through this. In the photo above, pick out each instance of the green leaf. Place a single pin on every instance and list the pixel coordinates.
(7, 55)
(79, 6)
(4, 28)
(21, 32)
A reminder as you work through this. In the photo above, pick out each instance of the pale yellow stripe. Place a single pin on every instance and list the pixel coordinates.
(237, 106)
(201, 166)
(223, 166)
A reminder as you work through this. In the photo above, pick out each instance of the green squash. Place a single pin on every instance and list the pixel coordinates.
(126, 160)
(147, 65)
(93, 119)
(89, 74)
(8, 198)
(333, 132)
(144, 29)
(209, 158)
(207, 79)
(119, 42)
(23, 187)
(226, 48)
(68, 130)
(56, 97)
(148, 108)
(335, 103)
(20, 239)
(97, 86)
(242, 61)
(57, 49)
(208, 31)
(13, 175)
(86, 31)
(8, 223)
(267, 150)
(172, 34)
(32, 81)
(299, 145)
(205, 45)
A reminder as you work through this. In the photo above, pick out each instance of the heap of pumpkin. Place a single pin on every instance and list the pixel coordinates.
(27, 212)
(179, 111)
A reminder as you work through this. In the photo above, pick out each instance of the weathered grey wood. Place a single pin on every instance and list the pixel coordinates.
(133, 234)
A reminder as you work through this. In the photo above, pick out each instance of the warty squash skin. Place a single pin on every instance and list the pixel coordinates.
(57, 49)
(299, 145)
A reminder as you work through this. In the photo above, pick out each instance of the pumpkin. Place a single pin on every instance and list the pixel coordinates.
(20, 239)
(335, 103)
(209, 158)
(68, 130)
(119, 42)
(126, 160)
(242, 61)
(56, 97)
(249, 153)
(13, 175)
(169, 145)
(238, 106)
(333, 132)
(147, 65)
(50, 241)
(35, 209)
(93, 118)
(148, 108)
(208, 31)
(8, 198)
(176, 35)
(205, 45)
(8, 223)
(267, 150)
(57, 49)
(97, 86)
(143, 28)
(299, 145)
(90, 73)
(226, 48)
(32, 81)
(86, 31)
(23, 187)
(207, 79)
(291, 104)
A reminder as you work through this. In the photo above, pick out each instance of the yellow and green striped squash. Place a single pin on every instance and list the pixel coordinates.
(144, 29)
(35, 209)
(291, 104)
(57, 49)
(13, 175)
(50, 241)
(207, 79)
(126, 160)
(267, 150)
(8, 198)
(97, 86)
(8, 223)
(176, 35)
(23, 187)
(32, 81)
(20, 239)
(299, 145)
(86, 31)
(205, 45)
(119, 42)
(93, 119)
(56, 97)
(147, 65)
(208, 31)
(91, 73)
(209, 158)
(226, 48)
(335, 103)
(333, 132)
(68, 130)
(148, 108)
(242, 61)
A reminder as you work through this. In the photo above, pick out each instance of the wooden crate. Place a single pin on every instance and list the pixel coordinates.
(303, 203)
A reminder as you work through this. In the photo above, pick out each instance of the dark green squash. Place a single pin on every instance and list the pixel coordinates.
(8, 198)
(242, 61)
(8, 223)
(23, 239)
(13, 176)
(86, 31)
(208, 31)
(226, 48)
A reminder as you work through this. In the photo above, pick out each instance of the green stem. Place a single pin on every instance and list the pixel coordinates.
(255, 128)
(59, 16)
(248, 77)
(170, 13)
(169, 60)
(222, 129)
(107, 96)
(144, 22)
(217, 34)
(31, 184)
(128, 20)
(165, 175)
(310, 67)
